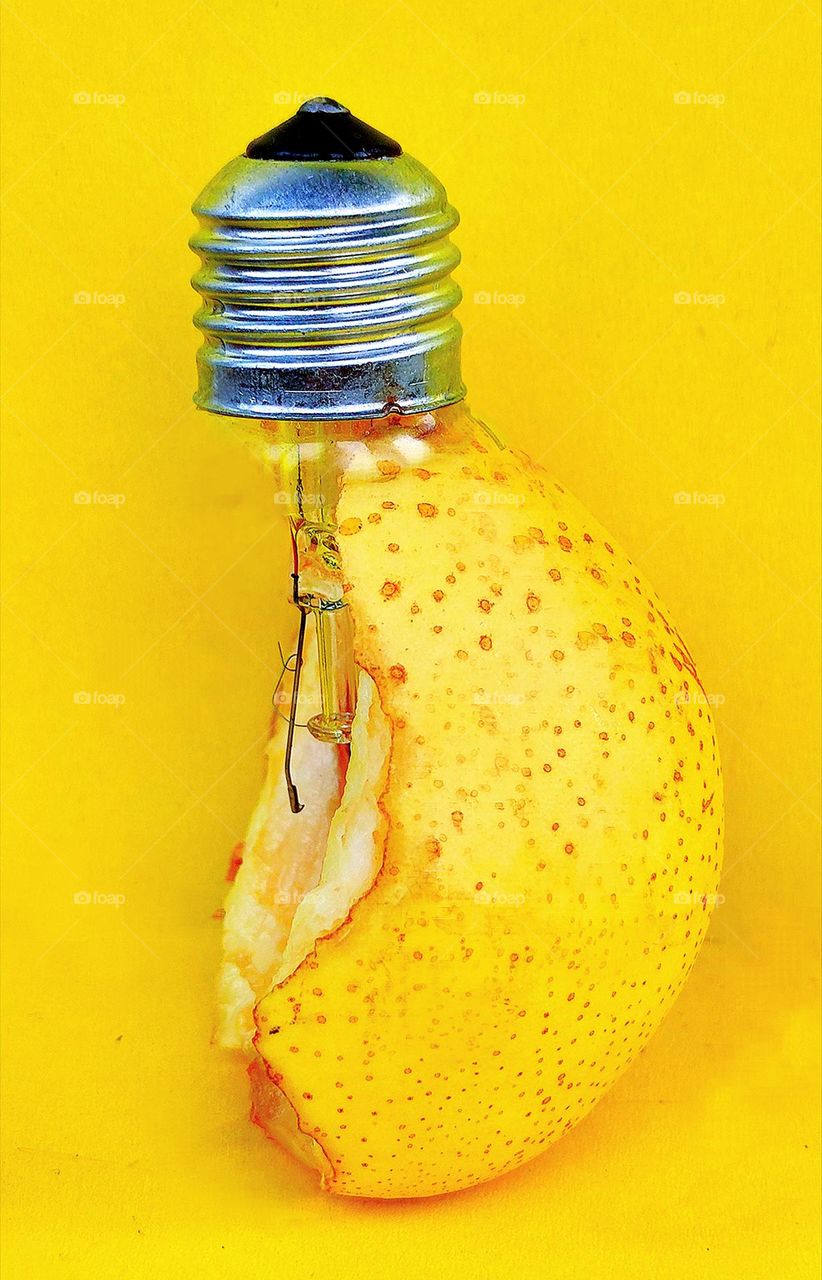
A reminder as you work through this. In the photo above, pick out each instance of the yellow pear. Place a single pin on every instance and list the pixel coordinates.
(475, 926)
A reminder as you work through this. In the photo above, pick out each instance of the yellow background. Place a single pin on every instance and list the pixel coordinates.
(590, 197)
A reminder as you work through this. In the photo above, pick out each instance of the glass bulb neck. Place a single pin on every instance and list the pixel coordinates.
(315, 462)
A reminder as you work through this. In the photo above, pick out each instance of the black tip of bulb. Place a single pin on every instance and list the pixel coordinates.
(322, 129)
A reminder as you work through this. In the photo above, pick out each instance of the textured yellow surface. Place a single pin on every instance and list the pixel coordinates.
(142, 616)
(551, 838)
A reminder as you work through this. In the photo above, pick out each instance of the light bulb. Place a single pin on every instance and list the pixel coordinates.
(489, 837)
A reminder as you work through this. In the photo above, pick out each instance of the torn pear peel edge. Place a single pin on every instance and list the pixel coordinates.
(312, 1151)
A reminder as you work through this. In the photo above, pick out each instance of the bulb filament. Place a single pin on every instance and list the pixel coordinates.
(317, 590)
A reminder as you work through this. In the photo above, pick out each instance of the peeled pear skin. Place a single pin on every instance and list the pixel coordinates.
(549, 843)
(278, 863)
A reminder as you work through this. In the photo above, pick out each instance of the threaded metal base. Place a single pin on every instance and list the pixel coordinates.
(326, 290)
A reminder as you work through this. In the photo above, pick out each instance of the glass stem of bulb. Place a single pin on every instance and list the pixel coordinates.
(311, 471)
